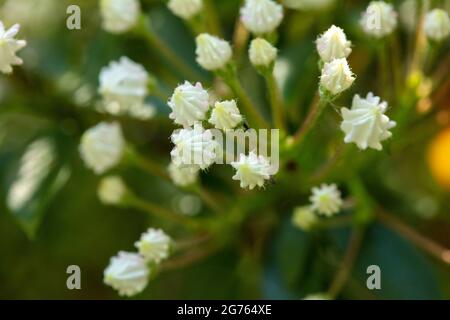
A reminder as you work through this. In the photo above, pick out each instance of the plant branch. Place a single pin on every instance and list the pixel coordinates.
(276, 100)
(314, 112)
(347, 263)
(434, 249)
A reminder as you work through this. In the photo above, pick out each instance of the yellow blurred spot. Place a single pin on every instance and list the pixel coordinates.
(439, 158)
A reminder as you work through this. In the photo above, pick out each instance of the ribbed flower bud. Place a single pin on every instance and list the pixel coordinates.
(262, 53)
(333, 44)
(336, 76)
(119, 16)
(212, 52)
(261, 16)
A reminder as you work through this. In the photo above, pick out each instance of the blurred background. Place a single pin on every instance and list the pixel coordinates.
(50, 216)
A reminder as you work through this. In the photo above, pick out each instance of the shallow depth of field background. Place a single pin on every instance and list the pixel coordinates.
(51, 96)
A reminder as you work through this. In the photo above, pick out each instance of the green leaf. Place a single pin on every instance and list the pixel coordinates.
(406, 272)
(38, 176)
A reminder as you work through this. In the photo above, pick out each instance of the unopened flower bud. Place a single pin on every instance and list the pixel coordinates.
(336, 76)
(261, 16)
(262, 53)
(333, 44)
(212, 52)
(437, 25)
(119, 16)
(185, 9)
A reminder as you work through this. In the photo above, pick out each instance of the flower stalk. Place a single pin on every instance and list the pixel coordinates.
(230, 77)
(314, 113)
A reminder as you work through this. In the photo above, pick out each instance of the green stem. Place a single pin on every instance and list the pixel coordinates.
(230, 77)
(434, 249)
(212, 19)
(384, 70)
(315, 111)
(144, 29)
(347, 263)
(208, 198)
(146, 164)
(162, 213)
(276, 100)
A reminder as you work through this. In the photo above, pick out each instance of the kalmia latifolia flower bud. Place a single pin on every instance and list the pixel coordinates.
(333, 44)
(326, 199)
(189, 104)
(127, 273)
(251, 170)
(212, 52)
(112, 190)
(194, 147)
(379, 19)
(336, 76)
(262, 53)
(261, 16)
(154, 245)
(185, 9)
(437, 25)
(102, 146)
(225, 115)
(119, 16)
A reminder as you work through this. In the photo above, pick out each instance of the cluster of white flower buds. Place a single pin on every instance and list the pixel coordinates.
(365, 124)
(194, 146)
(325, 200)
(129, 272)
(334, 48)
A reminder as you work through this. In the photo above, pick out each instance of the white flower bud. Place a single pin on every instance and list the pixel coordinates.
(154, 245)
(112, 190)
(102, 146)
(366, 124)
(8, 48)
(336, 76)
(127, 273)
(437, 25)
(185, 9)
(317, 296)
(183, 176)
(119, 16)
(379, 19)
(124, 86)
(262, 53)
(225, 115)
(304, 218)
(251, 170)
(189, 104)
(333, 44)
(194, 146)
(326, 200)
(212, 52)
(261, 16)
(307, 4)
